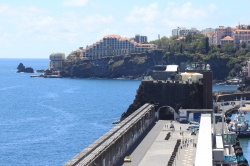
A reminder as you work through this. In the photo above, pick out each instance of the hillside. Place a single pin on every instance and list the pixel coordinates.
(135, 65)
(225, 61)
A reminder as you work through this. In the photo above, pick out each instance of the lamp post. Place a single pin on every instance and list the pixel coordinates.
(222, 101)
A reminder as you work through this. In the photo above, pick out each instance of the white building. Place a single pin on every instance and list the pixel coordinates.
(112, 45)
(56, 60)
(183, 31)
(207, 31)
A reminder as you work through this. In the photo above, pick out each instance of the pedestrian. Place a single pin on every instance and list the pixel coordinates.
(180, 128)
(187, 145)
(195, 145)
(181, 147)
(180, 133)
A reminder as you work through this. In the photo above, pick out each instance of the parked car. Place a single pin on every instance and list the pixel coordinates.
(195, 127)
(184, 121)
(127, 159)
(194, 122)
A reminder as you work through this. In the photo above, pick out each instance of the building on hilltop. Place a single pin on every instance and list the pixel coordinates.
(222, 32)
(226, 39)
(141, 39)
(233, 35)
(212, 38)
(112, 45)
(207, 31)
(183, 31)
(241, 35)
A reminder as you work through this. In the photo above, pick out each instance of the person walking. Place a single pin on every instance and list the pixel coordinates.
(180, 128)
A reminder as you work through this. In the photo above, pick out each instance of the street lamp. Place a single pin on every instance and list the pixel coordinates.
(222, 101)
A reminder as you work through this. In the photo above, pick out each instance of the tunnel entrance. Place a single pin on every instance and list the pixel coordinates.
(166, 113)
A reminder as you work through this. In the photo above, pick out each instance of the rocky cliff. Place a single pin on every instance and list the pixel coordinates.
(135, 65)
(131, 65)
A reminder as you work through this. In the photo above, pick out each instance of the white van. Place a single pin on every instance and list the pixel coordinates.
(191, 127)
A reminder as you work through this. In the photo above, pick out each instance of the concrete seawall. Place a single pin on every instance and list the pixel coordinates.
(111, 147)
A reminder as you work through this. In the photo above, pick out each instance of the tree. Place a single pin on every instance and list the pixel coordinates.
(228, 47)
(206, 45)
(243, 45)
(181, 49)
(200, 47)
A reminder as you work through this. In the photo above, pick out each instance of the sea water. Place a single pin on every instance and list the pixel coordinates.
(48, 121)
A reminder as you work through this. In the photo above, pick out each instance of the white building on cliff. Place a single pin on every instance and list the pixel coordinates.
(112, 45)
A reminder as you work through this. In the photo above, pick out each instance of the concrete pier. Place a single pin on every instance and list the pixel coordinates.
(155, 150)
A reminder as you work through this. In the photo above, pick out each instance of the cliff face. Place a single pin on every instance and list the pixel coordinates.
(132, 65)
(167, 94)
(138, 64)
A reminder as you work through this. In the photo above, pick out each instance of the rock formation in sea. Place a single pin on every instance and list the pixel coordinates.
(22, 68)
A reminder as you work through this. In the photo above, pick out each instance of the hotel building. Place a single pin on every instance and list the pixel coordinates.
(183, 31)
(112, 45)
(236, 35)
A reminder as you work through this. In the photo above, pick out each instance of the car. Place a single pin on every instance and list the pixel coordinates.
(171, 126)
(184, 121)
(127, 159)
(194, 122)
(193, 127)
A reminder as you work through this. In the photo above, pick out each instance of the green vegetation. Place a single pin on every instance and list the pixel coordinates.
(225, 60)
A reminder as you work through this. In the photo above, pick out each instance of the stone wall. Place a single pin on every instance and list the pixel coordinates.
(164, 93)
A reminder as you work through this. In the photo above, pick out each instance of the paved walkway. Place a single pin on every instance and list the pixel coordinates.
(154, 150)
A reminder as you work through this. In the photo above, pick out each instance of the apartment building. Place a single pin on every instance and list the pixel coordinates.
(112, 45)
(241, 35)
(141, 39)
(207, 31)
(233, 35)
(183, 31)
(212, 38)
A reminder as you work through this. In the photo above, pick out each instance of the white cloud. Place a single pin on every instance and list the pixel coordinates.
(76, 3)
(187, 15)
(143, 14)
(40, 26)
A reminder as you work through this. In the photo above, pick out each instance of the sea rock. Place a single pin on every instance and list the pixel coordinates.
(22, 68)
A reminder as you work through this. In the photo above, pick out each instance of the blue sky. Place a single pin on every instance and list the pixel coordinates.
(35, 29)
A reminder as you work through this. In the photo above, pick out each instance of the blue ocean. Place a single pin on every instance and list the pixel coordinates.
(48, 121)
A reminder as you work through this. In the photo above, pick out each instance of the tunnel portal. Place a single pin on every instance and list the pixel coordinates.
(166, 113)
